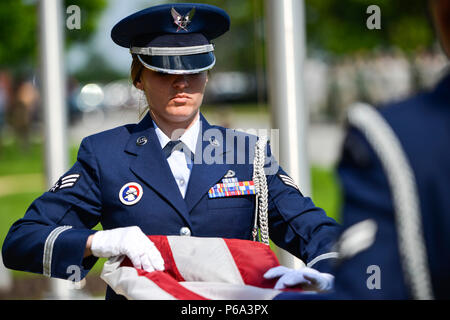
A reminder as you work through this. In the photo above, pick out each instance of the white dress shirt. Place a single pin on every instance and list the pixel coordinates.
(178, 162)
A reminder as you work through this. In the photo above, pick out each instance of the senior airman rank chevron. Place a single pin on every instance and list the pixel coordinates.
(65, 182)
(288, 181)
(230, 189)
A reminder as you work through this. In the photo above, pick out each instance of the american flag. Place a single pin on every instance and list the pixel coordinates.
(198, 269)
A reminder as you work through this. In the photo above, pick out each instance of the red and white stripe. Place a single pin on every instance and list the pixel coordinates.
(198, 269)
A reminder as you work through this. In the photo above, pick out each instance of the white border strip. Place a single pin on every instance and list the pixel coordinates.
(404, 195)
(48, 249)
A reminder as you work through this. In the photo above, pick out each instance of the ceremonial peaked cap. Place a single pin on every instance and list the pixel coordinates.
(173, 38)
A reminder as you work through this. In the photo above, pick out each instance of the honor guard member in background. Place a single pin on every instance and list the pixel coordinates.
(395, 171)
(171, 174)
(395, 174)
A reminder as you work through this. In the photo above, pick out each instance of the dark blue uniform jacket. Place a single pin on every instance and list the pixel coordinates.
(422, 124)
(52, 235)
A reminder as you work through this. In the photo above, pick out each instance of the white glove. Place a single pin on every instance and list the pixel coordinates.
(129, 241)
(310, 279)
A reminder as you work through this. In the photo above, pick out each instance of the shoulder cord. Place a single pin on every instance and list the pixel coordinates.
(261, 202)
(404, 195)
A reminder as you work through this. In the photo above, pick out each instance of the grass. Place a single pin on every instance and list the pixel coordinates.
(12, 208)
(15, 160)
(325, 191)
(21, 175)
(21, 181)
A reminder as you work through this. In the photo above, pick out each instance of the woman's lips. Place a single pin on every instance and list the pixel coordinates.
(180, 98)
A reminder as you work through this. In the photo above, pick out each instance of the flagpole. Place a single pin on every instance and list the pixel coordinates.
(285, 31)
(54, 105)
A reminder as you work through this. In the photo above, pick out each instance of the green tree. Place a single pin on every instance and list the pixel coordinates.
(333, 27)
(242, 47)
(97, 70)
(19, 29)
(339, 27)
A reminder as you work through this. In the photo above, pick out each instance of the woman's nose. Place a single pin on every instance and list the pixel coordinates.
(181, 82)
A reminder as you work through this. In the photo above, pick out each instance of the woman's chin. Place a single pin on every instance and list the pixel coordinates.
(181, 113)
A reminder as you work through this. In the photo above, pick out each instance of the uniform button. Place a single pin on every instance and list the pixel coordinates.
(181, 181)
(185, 231)
(141, 141)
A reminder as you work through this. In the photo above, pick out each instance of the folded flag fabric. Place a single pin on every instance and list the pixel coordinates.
(198, 269)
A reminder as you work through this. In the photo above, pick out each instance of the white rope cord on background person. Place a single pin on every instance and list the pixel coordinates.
(260, 181)
(404, 194)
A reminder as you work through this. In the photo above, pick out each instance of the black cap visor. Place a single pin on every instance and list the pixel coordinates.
(185, 64)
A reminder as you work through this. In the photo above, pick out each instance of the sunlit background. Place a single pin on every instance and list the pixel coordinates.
(346, 62)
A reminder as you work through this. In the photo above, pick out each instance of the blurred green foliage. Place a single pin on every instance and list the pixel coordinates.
(98, 70)
(339, 27)
(242, 48)
(19, 30)
(333, 28)
(326, 192)
(91, 11)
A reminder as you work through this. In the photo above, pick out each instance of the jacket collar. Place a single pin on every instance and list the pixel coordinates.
(209, 163)
(151, 166)
(189, 137)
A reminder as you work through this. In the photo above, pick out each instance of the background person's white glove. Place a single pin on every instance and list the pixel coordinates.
(309, 279)
(129, 241)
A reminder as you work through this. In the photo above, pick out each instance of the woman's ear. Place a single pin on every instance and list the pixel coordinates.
(138, 84)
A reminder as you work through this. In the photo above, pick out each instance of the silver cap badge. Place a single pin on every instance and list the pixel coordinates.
(182, 21)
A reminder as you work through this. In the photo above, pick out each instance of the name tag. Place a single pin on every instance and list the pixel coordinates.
(230, 189)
